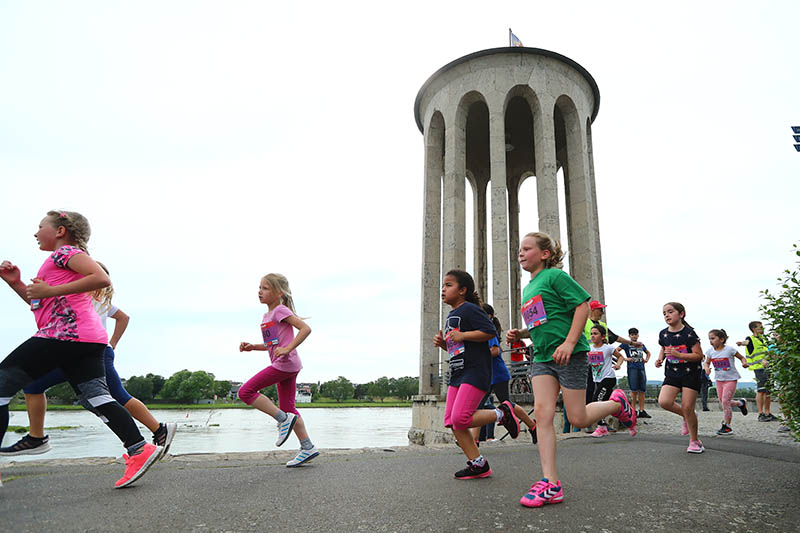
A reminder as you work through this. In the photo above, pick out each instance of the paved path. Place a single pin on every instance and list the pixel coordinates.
(648, 483)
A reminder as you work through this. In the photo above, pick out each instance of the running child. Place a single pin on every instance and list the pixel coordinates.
(635, 358)
(722, 358)
(555, 310)
(602, 366)
(70, 336)
(466, 338)
(501, 377)
(281, 343)
(36, 442)
(680, 346)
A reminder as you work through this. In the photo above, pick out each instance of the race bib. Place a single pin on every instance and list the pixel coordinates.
(722, 363)
(269, 333)
(533, 312)
(453, 348)
(596, 358)
(677, 360)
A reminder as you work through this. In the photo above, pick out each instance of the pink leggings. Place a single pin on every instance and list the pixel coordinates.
(725, 391)
(461, 404)
(286, 384)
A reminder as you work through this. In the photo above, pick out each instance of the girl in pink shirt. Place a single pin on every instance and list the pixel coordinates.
(279, 340)
(70, 335)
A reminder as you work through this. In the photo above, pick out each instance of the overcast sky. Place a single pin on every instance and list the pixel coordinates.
(210, 143)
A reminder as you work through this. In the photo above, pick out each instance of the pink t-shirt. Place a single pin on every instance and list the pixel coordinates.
(276, 333)
(71, 317)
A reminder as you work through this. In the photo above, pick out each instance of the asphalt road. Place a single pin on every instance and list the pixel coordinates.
(615, 484)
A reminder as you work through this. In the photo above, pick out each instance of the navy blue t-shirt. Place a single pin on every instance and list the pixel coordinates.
(636, 355)
(683, 340)
(470, 362)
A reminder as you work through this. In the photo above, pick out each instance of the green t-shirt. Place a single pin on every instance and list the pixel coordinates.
(549, 303)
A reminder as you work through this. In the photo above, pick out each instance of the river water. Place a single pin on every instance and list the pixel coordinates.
(223, 430)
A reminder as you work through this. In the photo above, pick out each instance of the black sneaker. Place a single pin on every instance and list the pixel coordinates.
(164, 435)
(743, 406)
(762, 417)
(509, 419)
(28, 445)
(724, 430)
(532, 431)
(770, 418)
(643, 414)
(474, 472)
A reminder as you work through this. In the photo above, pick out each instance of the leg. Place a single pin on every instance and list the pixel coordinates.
(688, 401)
(464, 415)
(545, 388)
(36, 405)
(666, 399)
(725, 392)
(136, 408)
(767, 402)
(249, 394)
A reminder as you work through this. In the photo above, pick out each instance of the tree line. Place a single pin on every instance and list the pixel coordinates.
(186, 386)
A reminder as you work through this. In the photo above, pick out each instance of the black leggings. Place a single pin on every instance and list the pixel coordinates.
(82, 364)
(602, 392)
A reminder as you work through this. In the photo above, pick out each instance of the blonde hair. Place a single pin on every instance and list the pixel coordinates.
(546, 242)
(279, 283)
(103, 296)
(76, 225)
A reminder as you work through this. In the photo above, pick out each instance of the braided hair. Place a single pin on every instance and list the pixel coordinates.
(76, 225)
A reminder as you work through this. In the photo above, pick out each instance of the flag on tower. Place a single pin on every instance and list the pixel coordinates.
(513, 40)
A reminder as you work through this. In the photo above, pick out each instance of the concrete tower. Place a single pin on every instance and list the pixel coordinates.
(493, 119)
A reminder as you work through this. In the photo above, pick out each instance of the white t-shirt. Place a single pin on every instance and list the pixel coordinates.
(723, 362)
(601, 362)
(104, 313)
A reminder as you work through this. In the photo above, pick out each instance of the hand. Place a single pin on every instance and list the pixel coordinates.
(745, 364)
(245, 347)
(563, 353)
(113, 345)
(280, 351)
(438, 341)
(455, 335)
(38, 289)
(9, 272)
(659, 362)
(616, 367)
(512, 335)
(740, 343)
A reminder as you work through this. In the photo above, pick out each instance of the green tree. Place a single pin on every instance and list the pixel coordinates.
(623, 383)
(140, 387)
(222, 388)
(63, 391)
(339, 389)
(271, 392)
(782, 312)
(188, 387)
(158, 383)
(380, 388)
(360, 392)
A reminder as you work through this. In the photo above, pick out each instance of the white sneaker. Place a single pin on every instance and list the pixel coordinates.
(285, 428)
(303, 456)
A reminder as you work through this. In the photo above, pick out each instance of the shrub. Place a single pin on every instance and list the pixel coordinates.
(782, 312)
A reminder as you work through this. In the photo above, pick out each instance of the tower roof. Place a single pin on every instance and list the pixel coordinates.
(508, 50)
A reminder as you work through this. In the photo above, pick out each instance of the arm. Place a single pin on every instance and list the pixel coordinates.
(563, 353)
(471, 336)
(303, 332)
(10, 274)
(93, 278)
(121, 321)
(660, 359)
(620, 358)
(647, 356)
(513, 335)
(495, 351)
(742, 358)
(695, 354)
(438, 341)
(248, 347)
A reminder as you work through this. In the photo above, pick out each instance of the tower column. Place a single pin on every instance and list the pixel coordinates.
(499, 202)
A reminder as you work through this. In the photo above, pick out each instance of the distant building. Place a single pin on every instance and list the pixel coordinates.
(303, 394)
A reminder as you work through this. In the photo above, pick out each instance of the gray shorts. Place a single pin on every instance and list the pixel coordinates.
(570, 376)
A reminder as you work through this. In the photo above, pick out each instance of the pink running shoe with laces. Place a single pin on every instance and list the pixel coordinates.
(543, 492)
(695, 446)
(626, 413)
(137, 465)
(601, 431)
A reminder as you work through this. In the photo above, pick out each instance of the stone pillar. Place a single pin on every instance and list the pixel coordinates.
(499, 200)
(513, 254)
(431, 253)
(479, 231)
(546, 169)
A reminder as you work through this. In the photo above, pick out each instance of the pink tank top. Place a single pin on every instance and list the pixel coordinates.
(71, 317)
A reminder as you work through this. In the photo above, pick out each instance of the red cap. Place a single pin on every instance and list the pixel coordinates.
(594, 304)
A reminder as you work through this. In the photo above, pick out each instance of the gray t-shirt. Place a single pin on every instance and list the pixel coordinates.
(723, 362)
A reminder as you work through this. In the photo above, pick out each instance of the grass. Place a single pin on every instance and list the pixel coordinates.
(25, 429)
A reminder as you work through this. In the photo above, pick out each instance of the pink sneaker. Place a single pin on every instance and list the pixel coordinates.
(601, 431)
(695, 446)
(626, 413)
(684, 427)
(543, 492)
(137, 465)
